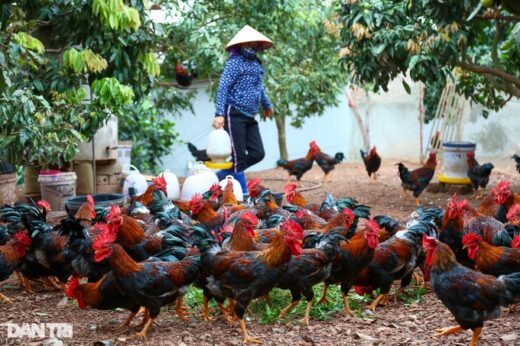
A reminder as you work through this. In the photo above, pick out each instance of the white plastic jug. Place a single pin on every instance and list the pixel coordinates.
(199, 182)
(136, 180)
(219, 145)
(237, 188)
(172, 185)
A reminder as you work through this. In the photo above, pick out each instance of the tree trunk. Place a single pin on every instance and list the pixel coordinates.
(362, 127)
(282, 143)
(421, 121)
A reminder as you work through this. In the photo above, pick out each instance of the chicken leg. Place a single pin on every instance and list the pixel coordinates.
(376, 302)
(288, 308)
(405, 194)
(346, 307)
(323, 299)
(144, 331)
(448, 331)
(417, 202)
(205, 309)
(306, 318)
(248, 338)
(398, 293)
(181, 311)
(123, 327)
(476, 335)
(27, 285)
(4, 299)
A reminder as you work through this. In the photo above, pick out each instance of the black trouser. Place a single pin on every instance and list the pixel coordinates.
(246, 142)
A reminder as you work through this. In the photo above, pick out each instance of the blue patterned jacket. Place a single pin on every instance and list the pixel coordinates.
(241, 84)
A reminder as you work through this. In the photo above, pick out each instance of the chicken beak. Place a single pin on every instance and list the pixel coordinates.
(464, 247)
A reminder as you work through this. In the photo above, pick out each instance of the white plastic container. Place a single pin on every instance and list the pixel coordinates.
(219, 145)
(105, 142)
(237, 188)
(172, 185)
(455, 165)
(124, 156)
(199, 182)
(135, 179)
(57, 188)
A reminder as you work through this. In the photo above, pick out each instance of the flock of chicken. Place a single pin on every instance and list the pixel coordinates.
(147, 255)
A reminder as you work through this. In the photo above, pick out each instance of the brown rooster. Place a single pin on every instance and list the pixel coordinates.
(326, 162)
(298, 167)
(372, 161)
(418, 179)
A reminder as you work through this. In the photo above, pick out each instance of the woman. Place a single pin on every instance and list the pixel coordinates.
(240, 93)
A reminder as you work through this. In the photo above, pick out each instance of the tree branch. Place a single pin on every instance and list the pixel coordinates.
(498, 16)
(494, 47)
(489, 71)
(505, 87)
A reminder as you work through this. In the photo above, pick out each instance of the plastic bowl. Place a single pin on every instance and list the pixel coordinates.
(100, 199)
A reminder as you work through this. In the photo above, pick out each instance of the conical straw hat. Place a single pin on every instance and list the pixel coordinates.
(248, 34)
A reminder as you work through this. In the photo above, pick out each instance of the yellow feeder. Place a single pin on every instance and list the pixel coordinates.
(456, 181)
(219, 165)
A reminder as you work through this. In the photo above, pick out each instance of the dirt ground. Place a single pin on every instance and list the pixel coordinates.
(396, 324)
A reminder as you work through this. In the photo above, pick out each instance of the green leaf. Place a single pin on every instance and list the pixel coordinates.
(406, 86)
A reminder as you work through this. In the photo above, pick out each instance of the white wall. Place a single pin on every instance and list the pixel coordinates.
(393, 127)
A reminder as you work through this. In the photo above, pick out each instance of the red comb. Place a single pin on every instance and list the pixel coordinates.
(350, 216)
(470, 238)
(22, 238)
(292, 227)
(114, 212)
(300, 214)
(196, 198)
(249, 216)
(90, 199)
(289, 188)
(71, 286)
(106, 236)
(372, 226)
(428, 242)
(453, 201)
(253, 183)
(215, 187)
(514, 213)
(159, 181)
(44, 205)
(515, 244)
(504, 185)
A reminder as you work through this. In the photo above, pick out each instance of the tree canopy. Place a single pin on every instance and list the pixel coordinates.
(431, 40)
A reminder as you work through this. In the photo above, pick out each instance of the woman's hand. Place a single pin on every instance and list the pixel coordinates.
(218, 122)
(268, 113)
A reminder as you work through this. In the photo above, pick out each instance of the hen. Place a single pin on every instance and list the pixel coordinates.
(472, 297)
(326, 162)
(478, 174)
(372, 161)
(245, 275)
(498, 203)
(418, 179)
(10, 255)
(298, 167)
(198, 155)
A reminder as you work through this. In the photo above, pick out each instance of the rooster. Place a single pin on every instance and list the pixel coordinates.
(395, 259)
(198, 155)
(149, 284)
(472, 297)
(478, 174)
(245, 275)
(371, 160)
(310, 268)
(418, 179)
(10, 255)
(353, 256)
(460, 219)
(500, 201)
(183, 76)
(325, 161)
(102, 295)
(298, 167)
(517, 162)
(489, 259)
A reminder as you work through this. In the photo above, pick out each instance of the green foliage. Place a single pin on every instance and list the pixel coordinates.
(152, 135)
(432, 40)
(115, 59)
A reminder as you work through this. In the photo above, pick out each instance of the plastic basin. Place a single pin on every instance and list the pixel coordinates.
(100, 199)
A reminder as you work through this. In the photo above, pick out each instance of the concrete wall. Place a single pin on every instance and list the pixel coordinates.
(393, 127)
